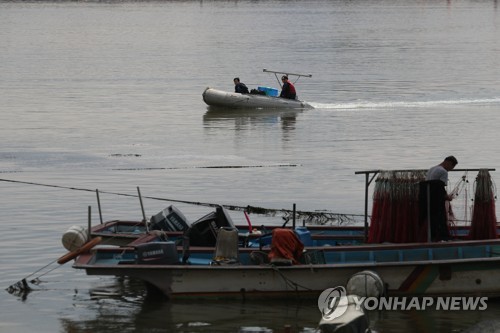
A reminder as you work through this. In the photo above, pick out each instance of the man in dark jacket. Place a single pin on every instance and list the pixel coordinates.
(288, 90)
(239, 87)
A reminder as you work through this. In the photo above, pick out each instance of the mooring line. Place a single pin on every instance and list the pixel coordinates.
(22, 285)
(40, 269)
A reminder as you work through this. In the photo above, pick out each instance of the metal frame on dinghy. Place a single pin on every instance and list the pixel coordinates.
(287, 74)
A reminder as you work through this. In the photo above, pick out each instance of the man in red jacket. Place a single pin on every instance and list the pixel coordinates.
(288, 90)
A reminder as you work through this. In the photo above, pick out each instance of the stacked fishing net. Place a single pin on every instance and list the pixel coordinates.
(484, 222)
(396, 217)
(395, 210)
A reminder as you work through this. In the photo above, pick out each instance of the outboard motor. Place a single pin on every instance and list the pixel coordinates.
(157, 253)
(169, 219)
(203, 232)
(366, 284)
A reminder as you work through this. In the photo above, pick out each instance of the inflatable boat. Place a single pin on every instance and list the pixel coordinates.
(260, 98)
(220, 98)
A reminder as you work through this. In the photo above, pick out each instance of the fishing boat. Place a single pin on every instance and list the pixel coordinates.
(402, 267)
(437, 269)
(260, 98)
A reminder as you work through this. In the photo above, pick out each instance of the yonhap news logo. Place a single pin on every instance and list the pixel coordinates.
(334, 302)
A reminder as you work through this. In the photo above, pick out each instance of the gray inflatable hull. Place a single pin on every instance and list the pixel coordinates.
(220, 98)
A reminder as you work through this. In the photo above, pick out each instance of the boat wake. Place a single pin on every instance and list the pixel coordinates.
(403, 104)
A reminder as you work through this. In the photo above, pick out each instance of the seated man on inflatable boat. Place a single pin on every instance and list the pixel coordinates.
(239, 87)
(288, 89)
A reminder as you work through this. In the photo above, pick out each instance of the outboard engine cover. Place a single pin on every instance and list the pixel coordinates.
(157, 253)
(365, 284)
(169, 219)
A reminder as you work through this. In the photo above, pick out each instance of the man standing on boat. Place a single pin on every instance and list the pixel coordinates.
(433, 199)
(288, 90)
(239, 87)
(440, 171)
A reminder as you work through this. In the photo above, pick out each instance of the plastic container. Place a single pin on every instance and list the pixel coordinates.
(304, 235)
(74, 238)
(269, 91)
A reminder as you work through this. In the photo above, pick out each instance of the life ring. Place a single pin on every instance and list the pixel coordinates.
(85, 248)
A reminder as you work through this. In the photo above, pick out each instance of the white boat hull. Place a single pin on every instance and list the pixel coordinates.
(420, 269)
(220, 98)
(254, 281)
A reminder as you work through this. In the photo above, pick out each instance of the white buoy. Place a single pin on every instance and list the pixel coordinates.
(74, 238)
(365, 284)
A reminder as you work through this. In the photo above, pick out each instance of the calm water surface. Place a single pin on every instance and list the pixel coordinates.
(107, 95)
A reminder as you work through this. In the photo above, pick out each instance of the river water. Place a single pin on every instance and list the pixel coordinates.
(107, 95)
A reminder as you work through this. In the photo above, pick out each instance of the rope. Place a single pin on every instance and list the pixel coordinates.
(289, 282)
(22, 286)
(320, 217)
(460, 185)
